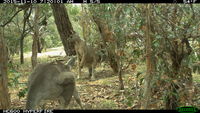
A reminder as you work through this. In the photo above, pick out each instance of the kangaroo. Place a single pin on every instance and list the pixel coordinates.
(50, 81)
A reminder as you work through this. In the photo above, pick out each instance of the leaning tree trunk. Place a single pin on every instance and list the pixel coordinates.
(64, 27)
(35, 37)
(109, 43)
(149, 60)
(4, 95)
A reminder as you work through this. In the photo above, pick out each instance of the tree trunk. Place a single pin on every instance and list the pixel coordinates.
(179, 52)
(149, 60)
(171, 97)
(22, 41)
(23, 34)
(39, 45)
(84, 28)
(4, 95)
(121, 84)
(35, 37)
(22, 49)
(84, 23)
(106, 35)
(109, 43)
(64, 27)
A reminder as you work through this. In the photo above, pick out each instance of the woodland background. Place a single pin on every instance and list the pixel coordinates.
(153, 52)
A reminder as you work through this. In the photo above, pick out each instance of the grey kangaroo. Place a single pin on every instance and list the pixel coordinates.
(50, 81)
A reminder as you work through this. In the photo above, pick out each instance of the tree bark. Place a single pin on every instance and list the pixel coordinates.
(149, 60)
(64, 27)
(171, 97)
(22, 50)
(4, 95)
(179, 52)
(23, 34)
(107, 36)
(84, 23)
(21, 43)
(35, 37)
(109, 43)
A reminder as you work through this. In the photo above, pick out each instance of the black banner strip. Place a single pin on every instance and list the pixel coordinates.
(87, 111)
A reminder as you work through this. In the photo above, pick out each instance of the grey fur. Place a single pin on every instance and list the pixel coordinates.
(86, 55)
(50, 81)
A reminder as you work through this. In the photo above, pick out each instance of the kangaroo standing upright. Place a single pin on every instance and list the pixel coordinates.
(86, 56)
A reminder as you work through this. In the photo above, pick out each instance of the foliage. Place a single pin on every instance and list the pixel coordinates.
(22, 93)
(14, 81)
(169, 23)
(13, 78)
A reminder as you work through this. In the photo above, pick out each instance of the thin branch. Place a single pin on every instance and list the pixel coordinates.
(125, 67)
(169, 21)
(23, 7)
(10, 18)
(194, 37)
(193, 13)
(25, 20)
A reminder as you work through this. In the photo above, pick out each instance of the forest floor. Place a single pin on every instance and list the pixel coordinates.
(103, 93)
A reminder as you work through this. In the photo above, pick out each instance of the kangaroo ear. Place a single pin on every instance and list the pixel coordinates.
(67, 67)
(74, 57)
(65, 78)
(70, 63)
